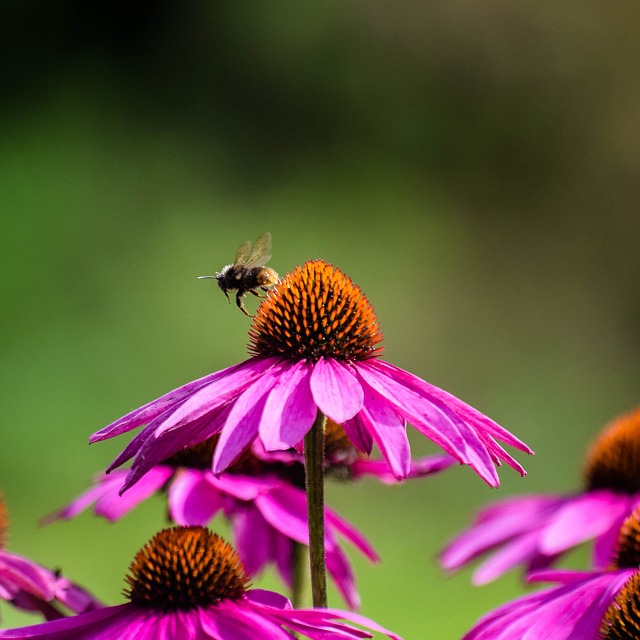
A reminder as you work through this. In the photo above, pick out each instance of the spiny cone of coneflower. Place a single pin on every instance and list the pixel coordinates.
(183, 568)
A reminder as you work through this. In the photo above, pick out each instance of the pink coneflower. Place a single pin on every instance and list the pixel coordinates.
(600, 605)
(189, 584)
(267, 511)
(261, 495)
(315, 345)
(535, 530)
(32, 587)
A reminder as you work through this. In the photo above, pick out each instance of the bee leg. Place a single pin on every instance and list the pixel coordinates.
(255, 293)
(239, 296)
(226, 294)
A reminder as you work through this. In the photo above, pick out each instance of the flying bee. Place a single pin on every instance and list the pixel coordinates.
(248, 274)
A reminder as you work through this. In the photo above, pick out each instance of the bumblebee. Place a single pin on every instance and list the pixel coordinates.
(247, 274)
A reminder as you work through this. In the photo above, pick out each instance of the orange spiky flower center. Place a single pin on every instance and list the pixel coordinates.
(315, 312)
(613, 461)
(183, 568)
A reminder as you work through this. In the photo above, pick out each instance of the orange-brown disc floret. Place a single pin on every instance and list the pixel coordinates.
(315, 312)
(183, 568)
(613, 461)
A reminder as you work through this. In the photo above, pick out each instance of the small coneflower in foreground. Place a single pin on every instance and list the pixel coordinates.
(316, 350)
(262, 498)
(533, 531)
(585, 606)
(30, 587)
(189, 584)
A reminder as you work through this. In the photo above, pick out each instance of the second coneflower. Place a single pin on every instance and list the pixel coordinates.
(315, 344)
(533, 531)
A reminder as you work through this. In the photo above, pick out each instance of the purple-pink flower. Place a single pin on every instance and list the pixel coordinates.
(596, 605)
(189, 584)
(315, 349)
(262, 497)
(32, 587)
(533, 531)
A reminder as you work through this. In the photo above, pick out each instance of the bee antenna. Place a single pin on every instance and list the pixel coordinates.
(204, 277)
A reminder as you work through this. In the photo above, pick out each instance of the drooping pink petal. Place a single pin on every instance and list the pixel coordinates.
(231, 622)
(156, 407)
(112, 506)
(193, 501)
(285, 509)
(103, 484)
(584, 517)
(21, 573)
(82, 627)
(242, 424)
(336, 390)
(156, 449)
(567, 612)
(433, 419)
(381, 470)
(290, 409)
(465, 411)
(243, 487)
(389, 433)
(342, 574)
(357, 432)
(232, 387)
(518, 551)
(254, 539)
(498, 523)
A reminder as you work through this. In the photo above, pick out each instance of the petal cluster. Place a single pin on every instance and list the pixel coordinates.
(268, 515)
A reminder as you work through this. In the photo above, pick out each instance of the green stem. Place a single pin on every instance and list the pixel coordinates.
(314, 470)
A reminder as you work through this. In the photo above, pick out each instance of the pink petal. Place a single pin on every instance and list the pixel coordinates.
(336, 390)
(193, 501)
(357, 432)
(241, 426)
(389, 433)
(220, 392)
(582, 518)
(290, 409)
(254, 538)
(156, 407)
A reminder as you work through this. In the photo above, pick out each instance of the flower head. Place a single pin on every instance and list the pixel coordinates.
(535, 530)
(600, 605)
(189, 584)
(32, 587)
(315, 345)
(262, 497)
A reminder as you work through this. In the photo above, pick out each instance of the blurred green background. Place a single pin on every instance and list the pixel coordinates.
(473, 166)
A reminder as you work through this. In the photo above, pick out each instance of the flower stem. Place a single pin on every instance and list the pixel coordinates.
(314, 470)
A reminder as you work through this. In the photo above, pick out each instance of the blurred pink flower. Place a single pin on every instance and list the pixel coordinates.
(32, 587)
(259, 496)
(315, 343)
(534, 531)
(586, 605)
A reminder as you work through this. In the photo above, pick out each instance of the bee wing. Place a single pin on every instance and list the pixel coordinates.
(242, 254)
(261, 252)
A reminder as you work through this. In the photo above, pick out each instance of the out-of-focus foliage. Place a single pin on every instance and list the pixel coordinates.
(472, 165)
